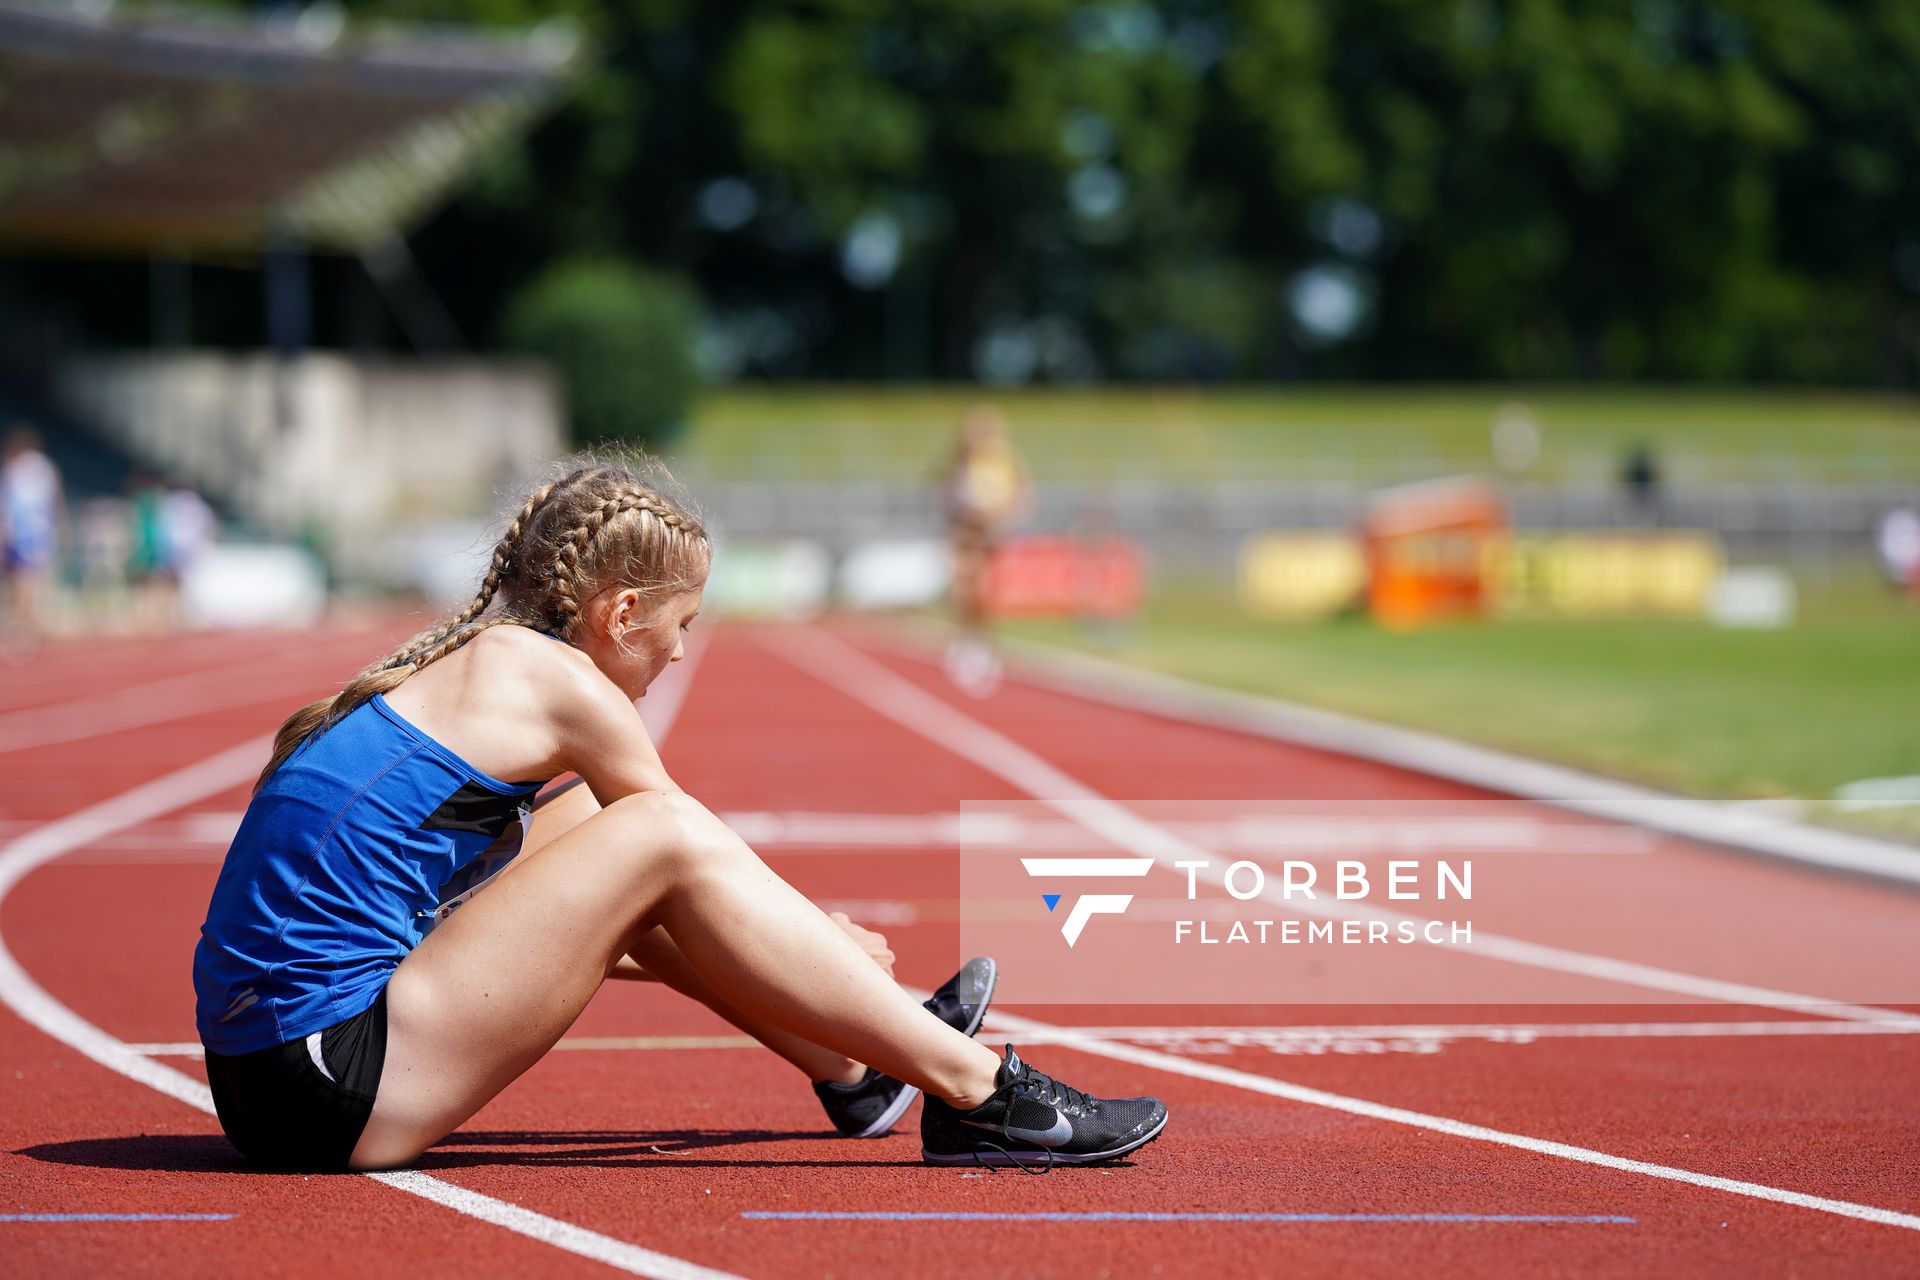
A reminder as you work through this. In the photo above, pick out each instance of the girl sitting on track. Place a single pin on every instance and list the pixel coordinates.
(349, 1024)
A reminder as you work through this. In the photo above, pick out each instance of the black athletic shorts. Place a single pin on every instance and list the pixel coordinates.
(302, 1105)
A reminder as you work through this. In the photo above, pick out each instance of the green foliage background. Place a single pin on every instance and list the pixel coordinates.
(620, 338)
(1667, 189)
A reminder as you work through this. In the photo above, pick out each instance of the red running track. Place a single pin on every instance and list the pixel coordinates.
(649, 1140)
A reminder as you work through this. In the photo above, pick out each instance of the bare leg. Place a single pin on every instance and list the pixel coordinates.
(971, 551)
(562, 810)
(656, 953)
(490, 991)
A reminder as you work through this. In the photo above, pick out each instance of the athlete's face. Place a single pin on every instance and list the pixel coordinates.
(633, 639)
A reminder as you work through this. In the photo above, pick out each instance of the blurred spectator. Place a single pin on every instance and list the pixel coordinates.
(30, 499)
(148, 568)
(103, 544)
(1896, 543)
(187, 528)
(986, 489)
(1640, 477)
(172, 525)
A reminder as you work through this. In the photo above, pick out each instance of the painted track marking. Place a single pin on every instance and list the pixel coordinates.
(1457, 1128)
(1304, 836)
(116, 1217)
(1256, 1037)
(837, 1215)
(36, 1006)
(840, 666)
(859, 834)
(1729, 825)
(153, 702)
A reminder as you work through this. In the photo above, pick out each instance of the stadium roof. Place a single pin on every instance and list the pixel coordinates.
(134, 130)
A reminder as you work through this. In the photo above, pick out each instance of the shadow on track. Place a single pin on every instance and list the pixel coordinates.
(651, 1148)
(146, 1152)
(661, 1148)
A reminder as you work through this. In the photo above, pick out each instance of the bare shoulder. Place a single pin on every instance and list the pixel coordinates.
(590, 726)
(545, 670)
(521, 657)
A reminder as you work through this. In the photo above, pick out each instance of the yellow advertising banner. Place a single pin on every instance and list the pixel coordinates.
(1301, 575)
(1602, 575)
(1585, 574)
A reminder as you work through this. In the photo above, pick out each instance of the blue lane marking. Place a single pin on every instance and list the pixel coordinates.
(116, 1217)
(824, 1215)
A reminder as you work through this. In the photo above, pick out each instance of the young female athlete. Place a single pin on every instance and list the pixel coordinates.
(350, 1021)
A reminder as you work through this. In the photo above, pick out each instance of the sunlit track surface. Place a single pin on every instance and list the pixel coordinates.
(660, 1132)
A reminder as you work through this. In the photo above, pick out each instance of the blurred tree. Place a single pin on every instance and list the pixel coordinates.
(621, 340)
(1034, 189)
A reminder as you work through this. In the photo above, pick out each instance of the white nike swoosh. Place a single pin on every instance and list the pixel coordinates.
(1058, 1136)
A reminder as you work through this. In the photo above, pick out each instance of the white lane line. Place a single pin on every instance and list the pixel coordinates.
(562, 1235)
(153, 702)
(1250, 835)
(1736, 826)
(1445, 828)
(92, 685)
(1253, 1037)
(28, 998)
(1500, 1033)
(33, 1004)
(1453, 1128)
(845, 668)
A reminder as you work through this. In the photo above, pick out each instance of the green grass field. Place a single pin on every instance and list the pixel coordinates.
(1681, 705)
(1333, 432)
(1797, 712)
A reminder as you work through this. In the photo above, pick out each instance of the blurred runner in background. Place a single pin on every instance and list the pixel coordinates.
(31, 504)
(987, 489)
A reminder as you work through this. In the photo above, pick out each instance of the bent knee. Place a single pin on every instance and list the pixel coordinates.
(672, 826)
(660, 815)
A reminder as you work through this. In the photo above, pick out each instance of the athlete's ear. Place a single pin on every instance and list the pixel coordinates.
(624, 611)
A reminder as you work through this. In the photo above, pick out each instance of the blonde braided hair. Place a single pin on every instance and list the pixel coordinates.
(593, 528)
(578, 554)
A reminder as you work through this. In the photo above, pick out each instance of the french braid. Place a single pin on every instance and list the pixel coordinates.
(566, 536)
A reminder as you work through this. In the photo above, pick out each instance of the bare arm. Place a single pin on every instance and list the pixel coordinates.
(599, 735)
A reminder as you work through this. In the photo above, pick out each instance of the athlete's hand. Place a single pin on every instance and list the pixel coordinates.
(875, 945)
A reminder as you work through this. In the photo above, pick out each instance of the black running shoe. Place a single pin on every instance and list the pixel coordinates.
(874, 1104)
(1034, 1122)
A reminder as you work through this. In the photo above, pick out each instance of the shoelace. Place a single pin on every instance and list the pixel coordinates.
(1054, 1093)
(1036, 1168)
(1040, 1085)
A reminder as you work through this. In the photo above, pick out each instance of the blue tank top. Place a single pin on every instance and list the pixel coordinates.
(335, 874)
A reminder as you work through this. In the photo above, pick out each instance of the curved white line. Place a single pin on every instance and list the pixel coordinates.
(149, 703)
(1730, 825)
(1272, 1087)
(841, 666)
(34, 1005)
